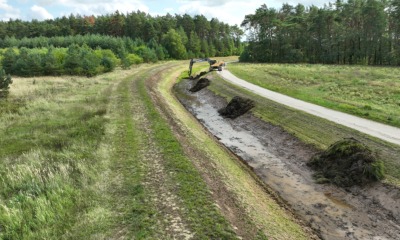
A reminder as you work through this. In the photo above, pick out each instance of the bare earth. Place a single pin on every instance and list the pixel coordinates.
(379, 130)
(279, 159)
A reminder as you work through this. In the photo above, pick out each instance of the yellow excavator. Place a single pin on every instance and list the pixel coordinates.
(214, 64)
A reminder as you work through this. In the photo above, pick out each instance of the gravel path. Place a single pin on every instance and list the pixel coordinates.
(379, 130)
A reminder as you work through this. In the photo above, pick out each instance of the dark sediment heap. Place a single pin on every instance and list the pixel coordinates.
(236, 107)
(347, 163)
(202, 83)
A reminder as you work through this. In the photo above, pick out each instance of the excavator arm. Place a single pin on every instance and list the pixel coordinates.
(196, 60)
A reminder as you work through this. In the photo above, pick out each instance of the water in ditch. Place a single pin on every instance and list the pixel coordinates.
(278, 158)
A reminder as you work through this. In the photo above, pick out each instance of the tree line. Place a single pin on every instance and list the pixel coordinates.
(74, 60)
(182, 36)
(353, 32)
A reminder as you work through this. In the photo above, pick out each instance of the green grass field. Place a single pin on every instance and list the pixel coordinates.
(73, 161)
(51, 132)
(369, 92)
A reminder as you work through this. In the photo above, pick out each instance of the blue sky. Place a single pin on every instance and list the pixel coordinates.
(228, 11)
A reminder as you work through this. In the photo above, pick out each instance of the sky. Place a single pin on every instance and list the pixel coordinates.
(228, 11)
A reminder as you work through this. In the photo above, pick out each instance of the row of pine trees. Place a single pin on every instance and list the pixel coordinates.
(354, 32)
(193, 36)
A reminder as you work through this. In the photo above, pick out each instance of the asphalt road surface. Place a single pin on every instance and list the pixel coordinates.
(379, 130)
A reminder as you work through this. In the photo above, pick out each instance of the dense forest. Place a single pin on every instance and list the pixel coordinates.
(88, 45)
(353, 32)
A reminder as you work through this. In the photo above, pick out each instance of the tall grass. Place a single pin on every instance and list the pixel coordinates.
(50, 130)
(369, 92)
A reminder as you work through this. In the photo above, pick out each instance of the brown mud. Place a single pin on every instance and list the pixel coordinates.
(347, 163)
(236, 107)
(279, 159)
(225, 199)
(200, 84)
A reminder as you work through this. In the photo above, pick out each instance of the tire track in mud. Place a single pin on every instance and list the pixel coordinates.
(223, 197)
(169, 208)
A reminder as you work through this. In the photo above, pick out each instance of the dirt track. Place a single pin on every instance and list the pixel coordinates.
(279, 160)
(379, 130)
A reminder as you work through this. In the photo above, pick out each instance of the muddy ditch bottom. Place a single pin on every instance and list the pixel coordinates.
(279, 159)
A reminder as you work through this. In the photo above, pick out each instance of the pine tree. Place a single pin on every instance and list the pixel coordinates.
(173, 43)
(5, 81)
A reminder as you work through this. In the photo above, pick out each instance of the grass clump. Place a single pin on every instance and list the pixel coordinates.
(347, 163)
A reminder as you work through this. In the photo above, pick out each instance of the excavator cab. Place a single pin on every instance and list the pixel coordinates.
(214, 64)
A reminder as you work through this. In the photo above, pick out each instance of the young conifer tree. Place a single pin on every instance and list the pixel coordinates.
(5, 81)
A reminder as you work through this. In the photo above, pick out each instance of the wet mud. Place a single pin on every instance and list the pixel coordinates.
(200, 84)
(347, 163)
(236, 107)
(279, 159)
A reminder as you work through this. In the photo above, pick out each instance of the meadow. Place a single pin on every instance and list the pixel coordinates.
(92, 158)
(51, 129)
(368, 92)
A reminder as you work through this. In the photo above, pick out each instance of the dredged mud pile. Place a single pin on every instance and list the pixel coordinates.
(202, 83)
(347, 163)
(236, 107)
(279, 159)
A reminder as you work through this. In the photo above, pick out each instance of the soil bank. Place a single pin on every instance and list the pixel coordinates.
(279, 159)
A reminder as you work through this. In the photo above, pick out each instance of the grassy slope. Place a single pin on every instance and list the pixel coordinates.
(201, 213)
(73, 162)
(369, 92)
(271, 219)
(310, 129)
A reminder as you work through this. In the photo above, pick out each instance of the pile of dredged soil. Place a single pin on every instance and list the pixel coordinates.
(202, 83)
(236, 107)
(347, 163)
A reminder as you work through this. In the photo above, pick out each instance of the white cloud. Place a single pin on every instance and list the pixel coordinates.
(206, 2)
(99, 7)
(7, 11)
(234, 11)
(40, 13)
(227, 11)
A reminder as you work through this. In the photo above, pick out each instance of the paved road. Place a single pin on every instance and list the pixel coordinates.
(379, 130)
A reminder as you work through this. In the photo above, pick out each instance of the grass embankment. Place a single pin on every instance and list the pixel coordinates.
(75, 163)
(310, 129)
(369, 92)
(200, 211)
(262, 214)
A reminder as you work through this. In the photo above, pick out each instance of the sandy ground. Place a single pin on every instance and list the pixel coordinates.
(379, 130)
(279, 159)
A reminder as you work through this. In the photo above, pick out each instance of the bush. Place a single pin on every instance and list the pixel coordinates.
(5, 81)
(9, 59)
(51, 64)
(108, 59)
(134, 59)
